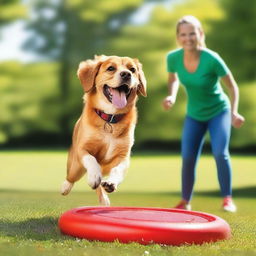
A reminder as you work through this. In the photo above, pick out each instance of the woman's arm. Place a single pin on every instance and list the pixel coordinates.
(229, 81)
(173, 86)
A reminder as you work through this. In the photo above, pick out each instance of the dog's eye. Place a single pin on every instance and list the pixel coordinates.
(111, 68)
(133, 70)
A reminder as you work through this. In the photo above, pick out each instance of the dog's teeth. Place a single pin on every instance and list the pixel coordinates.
(109, 92)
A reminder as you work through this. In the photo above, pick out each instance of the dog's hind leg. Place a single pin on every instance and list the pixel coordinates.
(103, 197)
(74, 172)
(73, 176)
(66, 187)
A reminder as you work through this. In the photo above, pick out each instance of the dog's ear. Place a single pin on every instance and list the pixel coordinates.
(142, 88)
(87, 72)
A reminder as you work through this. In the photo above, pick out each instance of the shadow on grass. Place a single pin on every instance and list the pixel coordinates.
(246, 192)
(36, 229)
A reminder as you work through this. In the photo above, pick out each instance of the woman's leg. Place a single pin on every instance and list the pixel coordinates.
(191, 146)
(220, 128)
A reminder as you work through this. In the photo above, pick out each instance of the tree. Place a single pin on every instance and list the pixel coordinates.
(234, 37)
(9, 11)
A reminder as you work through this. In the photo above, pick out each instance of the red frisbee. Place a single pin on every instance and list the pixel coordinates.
(143, 225)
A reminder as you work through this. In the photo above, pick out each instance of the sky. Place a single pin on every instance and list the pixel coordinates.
(12, 38)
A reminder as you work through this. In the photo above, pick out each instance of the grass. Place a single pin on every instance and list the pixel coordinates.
(31, 204)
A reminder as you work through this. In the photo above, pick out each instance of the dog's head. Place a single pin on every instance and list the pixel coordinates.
(116, 80)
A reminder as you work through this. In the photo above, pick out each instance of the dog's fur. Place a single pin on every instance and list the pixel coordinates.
(98, 147)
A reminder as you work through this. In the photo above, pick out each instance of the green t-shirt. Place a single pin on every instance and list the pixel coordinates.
(206, 97)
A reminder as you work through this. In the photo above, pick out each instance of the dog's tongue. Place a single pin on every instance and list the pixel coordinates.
(118, 98)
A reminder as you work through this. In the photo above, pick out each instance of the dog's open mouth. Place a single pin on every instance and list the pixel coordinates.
(117, 96)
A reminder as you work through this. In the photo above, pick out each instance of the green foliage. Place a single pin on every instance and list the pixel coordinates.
(89, 10)
(29, 99)
(47, 97)
(234, 39)
(11, 10)
(247, 134)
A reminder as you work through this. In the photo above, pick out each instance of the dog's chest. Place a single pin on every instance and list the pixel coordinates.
(105, 146)
(111, 145)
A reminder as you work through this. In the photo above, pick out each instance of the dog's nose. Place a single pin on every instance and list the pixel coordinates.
(125, 75)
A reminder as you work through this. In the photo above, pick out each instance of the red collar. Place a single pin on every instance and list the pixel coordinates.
(112, 119)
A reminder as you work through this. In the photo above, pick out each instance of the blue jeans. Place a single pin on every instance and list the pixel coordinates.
(191, 146)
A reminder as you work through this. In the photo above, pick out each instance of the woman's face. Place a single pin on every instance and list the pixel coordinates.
(188, 36)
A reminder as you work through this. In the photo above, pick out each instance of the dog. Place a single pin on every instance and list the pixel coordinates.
(104, 134)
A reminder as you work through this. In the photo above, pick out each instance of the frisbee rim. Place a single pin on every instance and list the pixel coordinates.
(74, 219)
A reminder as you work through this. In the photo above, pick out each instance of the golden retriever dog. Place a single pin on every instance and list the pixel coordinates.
(104, 134)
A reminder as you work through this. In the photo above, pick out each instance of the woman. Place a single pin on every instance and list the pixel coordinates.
(199, 70)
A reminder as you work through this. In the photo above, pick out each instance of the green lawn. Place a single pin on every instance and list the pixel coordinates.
(31, 204)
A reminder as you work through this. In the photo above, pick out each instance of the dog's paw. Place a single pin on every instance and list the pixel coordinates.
(66, 187)
(94, 179)
(108, 186)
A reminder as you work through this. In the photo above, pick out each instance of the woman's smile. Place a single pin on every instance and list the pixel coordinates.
(188, 37)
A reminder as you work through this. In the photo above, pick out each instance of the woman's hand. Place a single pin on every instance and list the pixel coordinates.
(168, 102)
(229, 81)
(173, 86)
(237, 120)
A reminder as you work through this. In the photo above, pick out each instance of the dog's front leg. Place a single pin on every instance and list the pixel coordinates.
(93, 170)
(116, 176)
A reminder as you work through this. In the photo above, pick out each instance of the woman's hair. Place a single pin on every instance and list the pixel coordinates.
(189, 19)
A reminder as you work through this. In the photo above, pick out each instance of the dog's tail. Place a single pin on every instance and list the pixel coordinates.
(66, 187)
